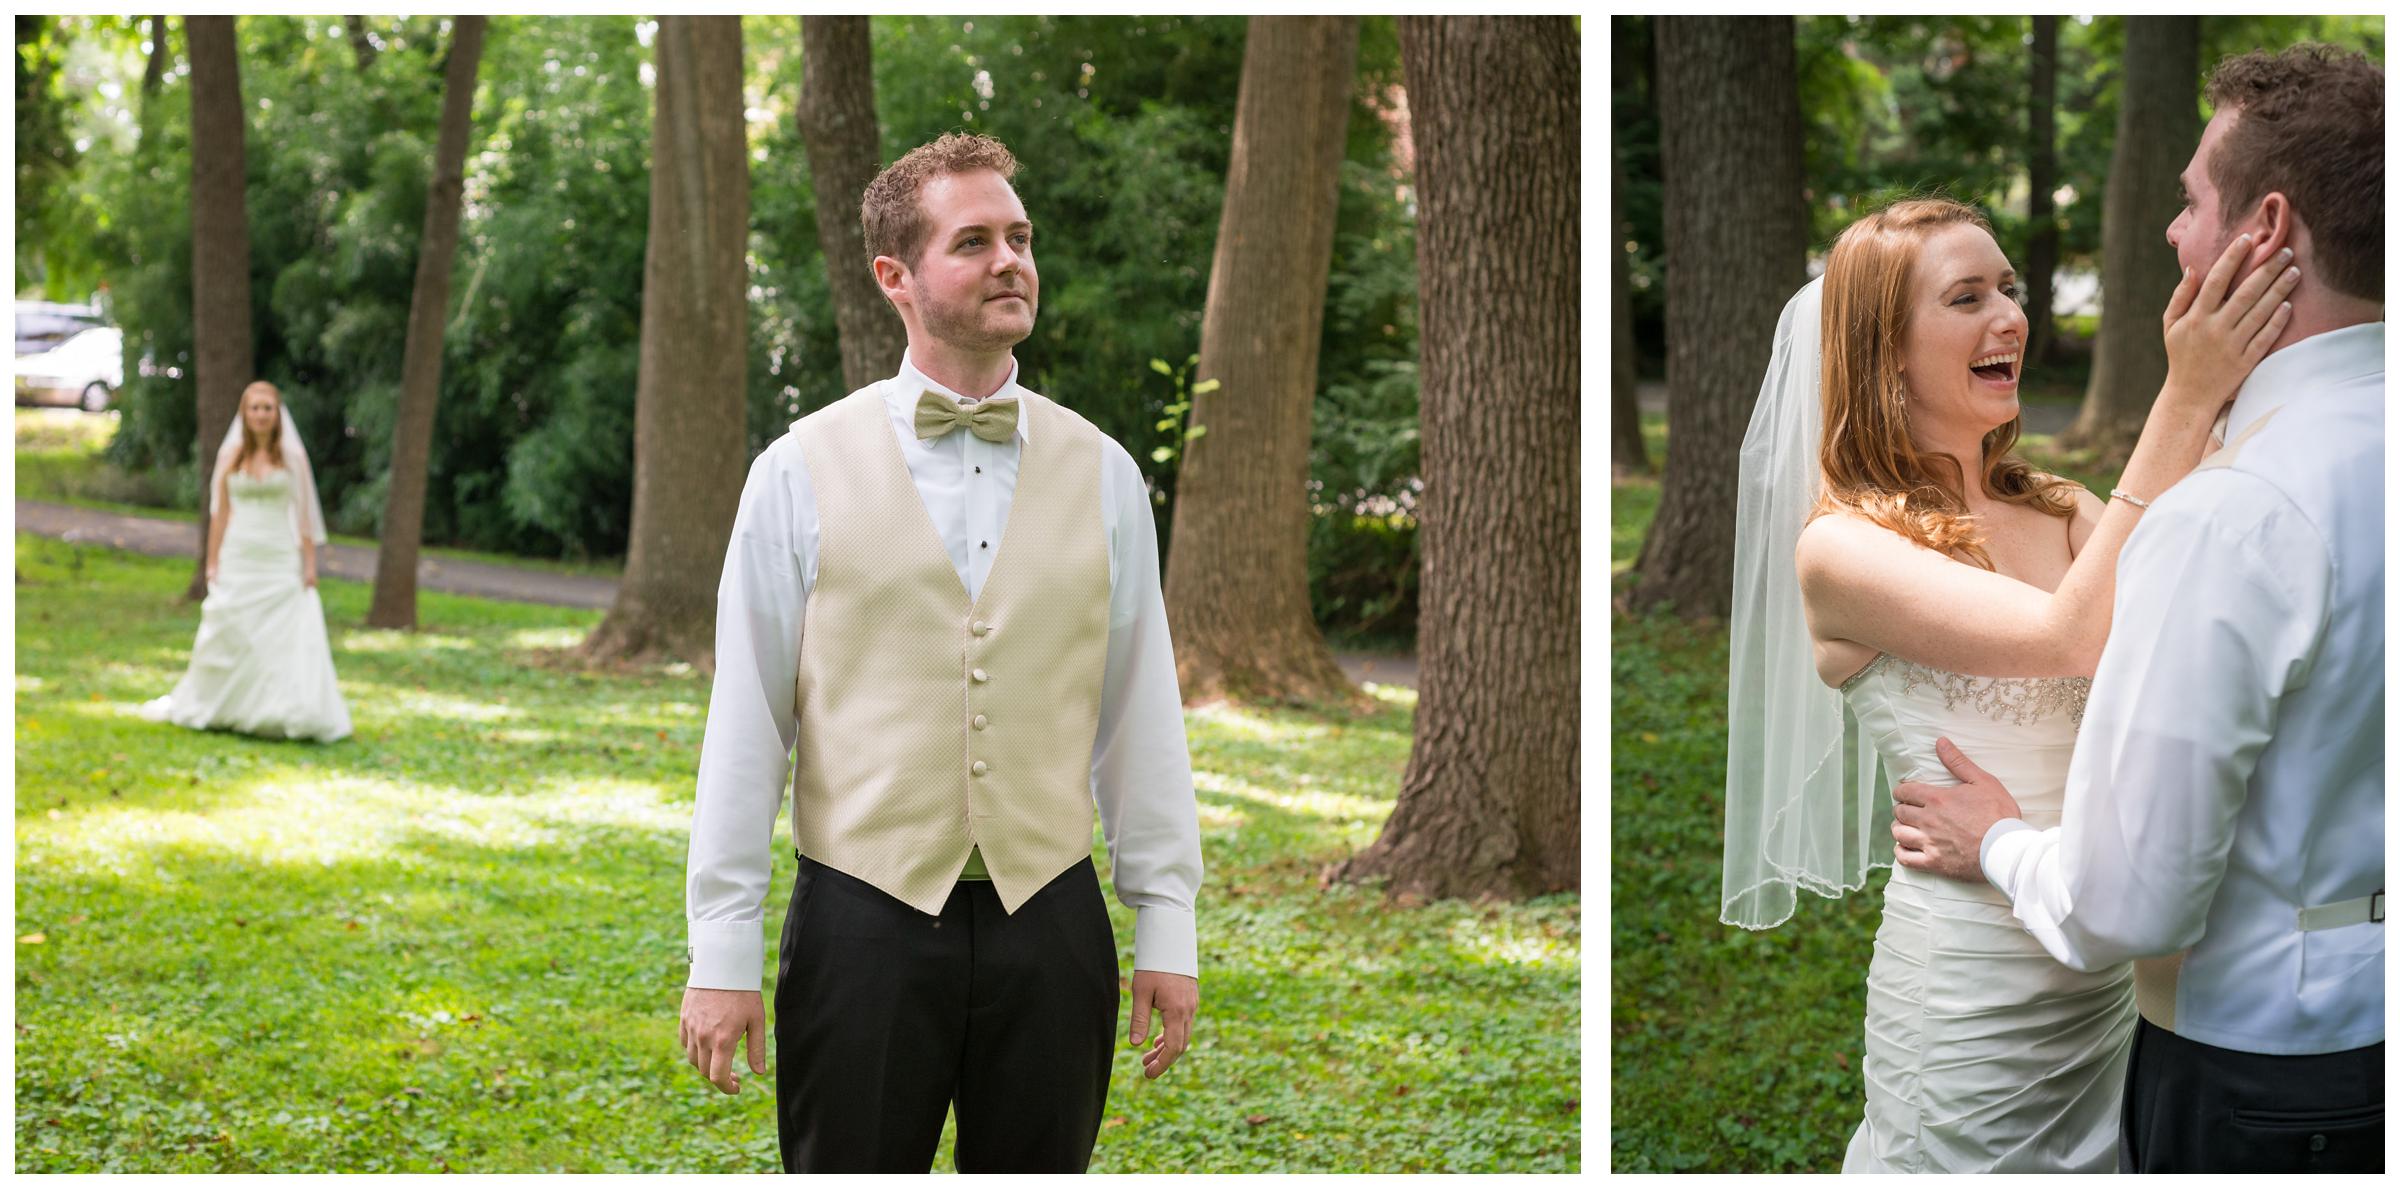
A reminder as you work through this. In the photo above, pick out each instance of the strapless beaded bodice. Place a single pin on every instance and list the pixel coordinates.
(260, 529)
(274, 487)
(2020, 729)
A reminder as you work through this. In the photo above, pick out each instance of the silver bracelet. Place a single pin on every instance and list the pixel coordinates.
(2121, 494)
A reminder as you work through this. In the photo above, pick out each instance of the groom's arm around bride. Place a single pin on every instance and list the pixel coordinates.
(2223, 822)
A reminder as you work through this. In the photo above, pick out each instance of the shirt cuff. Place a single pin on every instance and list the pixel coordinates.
(727, 955)
(1166, 940)
(2005, 855)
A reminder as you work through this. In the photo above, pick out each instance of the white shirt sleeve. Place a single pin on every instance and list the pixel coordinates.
(2222, 595)
(1141, 765)
(745, 757)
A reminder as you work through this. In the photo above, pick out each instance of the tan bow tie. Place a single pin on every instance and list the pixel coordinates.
(992, 419)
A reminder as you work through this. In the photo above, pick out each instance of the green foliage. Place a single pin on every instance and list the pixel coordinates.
(1175, 419)
(60, 459)
(455, 940)
(1899, 105)
(62, 226)
(1362, 544)
(1122, 124)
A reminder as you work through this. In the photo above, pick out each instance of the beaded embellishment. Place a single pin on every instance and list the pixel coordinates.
(2022, 701)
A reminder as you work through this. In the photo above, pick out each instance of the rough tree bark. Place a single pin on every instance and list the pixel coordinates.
(2041, 217)
(1626, 451)
(395, 604)
(1237, 575)
(1490, 805)
(221, 346)
(837, 122)
(1737, 238)
(689, 443)
(2158, 126)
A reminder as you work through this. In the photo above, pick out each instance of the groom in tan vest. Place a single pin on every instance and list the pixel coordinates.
(941, 603)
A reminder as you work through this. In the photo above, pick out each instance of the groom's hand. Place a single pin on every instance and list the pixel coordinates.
(1940, 829)
(1176, 999)
(714, 1022)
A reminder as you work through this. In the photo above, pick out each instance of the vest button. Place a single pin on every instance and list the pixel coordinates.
(981, 627)
(981, 767)
(980, 722)
(981, 676)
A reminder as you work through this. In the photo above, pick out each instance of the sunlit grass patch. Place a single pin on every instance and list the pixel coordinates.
(456, 939)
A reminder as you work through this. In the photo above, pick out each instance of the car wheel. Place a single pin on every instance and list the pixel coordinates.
(95, 397)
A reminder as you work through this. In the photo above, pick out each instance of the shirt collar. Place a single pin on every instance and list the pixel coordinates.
(900, 395)
(2315, 362)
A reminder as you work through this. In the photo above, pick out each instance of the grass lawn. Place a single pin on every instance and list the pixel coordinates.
(1729, 1050)
(455, 940)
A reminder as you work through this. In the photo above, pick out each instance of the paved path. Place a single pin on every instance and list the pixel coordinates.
(160, 537)
(1651, 395)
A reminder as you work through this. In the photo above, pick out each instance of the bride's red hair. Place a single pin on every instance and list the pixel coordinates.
(270, 444)
(1871, 467)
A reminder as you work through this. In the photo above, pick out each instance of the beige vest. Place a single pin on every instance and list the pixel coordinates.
(929, 725)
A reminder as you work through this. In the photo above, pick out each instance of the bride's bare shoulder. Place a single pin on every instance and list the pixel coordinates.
(1835, 542)
(2088, 510)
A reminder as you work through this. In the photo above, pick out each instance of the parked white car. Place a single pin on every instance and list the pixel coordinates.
(85, 371)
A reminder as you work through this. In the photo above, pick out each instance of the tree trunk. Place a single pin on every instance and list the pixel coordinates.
(837, 122)
(1737, 239)
(2041, 215)
(1627, 453)
(1490, 805)
(688, 439)
(395, 604)
(360, 47)
(1237, 575)
(221, 346)
(2158, 125)
(154, 74)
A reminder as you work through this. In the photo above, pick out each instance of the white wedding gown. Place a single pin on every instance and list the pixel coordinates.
(261, 664)
(1982, 1052)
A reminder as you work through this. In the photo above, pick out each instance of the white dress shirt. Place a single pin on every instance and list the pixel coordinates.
(1141, 768)
(2230, 768)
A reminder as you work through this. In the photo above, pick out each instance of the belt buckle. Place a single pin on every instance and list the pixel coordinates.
(2375, 906)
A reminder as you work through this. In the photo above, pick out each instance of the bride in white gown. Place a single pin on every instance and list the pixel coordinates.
(1883, 602)
(261, 664)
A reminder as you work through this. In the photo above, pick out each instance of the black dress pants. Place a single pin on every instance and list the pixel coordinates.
(2191, 1107)
(886, 1017)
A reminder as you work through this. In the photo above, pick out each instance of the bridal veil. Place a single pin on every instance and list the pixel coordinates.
(1806, 802)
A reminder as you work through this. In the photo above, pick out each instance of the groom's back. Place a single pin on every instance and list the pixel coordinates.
(2306, 481)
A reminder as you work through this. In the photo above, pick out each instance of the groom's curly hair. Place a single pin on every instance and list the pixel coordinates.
(1872, 468)
(2310, 128)
(890, 212)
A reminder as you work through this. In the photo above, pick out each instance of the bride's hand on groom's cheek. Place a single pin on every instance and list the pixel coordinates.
(1939, 829)
(2217, 331)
